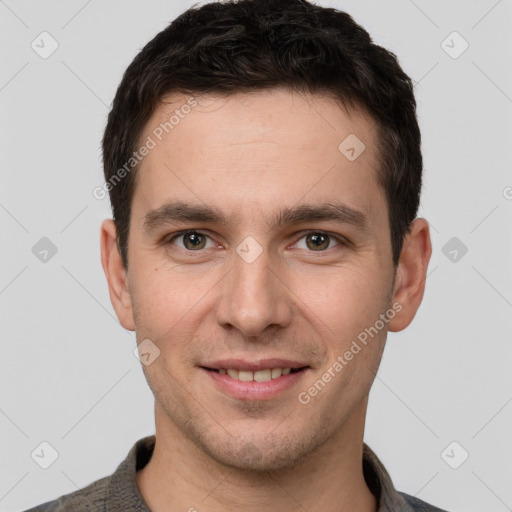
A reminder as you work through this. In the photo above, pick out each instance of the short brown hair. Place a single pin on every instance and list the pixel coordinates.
(248, 45)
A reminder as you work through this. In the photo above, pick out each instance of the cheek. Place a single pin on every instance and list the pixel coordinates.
(158, 302)
(168, 303)
(346, 299)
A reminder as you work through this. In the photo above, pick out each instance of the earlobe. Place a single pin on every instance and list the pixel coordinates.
(116, 275)
(411, 274)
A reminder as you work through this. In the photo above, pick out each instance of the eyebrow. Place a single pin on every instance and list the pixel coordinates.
(178, 211)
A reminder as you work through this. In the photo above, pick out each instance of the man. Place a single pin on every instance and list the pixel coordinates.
(264, 167)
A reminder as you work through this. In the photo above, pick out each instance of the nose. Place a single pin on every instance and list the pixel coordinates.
(254, 297)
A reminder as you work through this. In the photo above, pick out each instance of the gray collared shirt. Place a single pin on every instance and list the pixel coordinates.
(119, 492)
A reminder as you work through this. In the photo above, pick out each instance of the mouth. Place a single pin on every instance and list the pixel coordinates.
(255, 385)
(264, 375)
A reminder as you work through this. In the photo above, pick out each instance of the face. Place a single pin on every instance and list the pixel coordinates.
(286, 255)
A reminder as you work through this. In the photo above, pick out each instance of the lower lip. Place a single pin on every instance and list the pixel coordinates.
(253, 390)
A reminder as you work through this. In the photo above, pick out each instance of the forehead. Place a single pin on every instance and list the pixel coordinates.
(258, 149)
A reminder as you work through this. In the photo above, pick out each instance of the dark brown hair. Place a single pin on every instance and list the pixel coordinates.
(252, 45)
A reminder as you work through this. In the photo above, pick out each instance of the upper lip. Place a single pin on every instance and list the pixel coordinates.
(253, 366)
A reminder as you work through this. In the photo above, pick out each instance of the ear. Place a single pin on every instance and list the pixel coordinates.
(411, 274)
(116, 275)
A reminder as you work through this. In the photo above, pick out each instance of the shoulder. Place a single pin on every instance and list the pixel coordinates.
(418, 505)
(91, 498)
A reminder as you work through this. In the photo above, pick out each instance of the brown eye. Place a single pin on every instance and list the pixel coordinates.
(194, 241)
(317, 241)
(191, 240)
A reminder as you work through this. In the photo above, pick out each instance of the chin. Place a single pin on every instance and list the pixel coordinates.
(263, 454)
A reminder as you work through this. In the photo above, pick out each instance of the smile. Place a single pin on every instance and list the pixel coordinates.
(258, 376)
(258, 385)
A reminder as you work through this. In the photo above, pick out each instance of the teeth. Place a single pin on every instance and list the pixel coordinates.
(245, 376)
(276, 372)
(233, 374)
(263, 375)
(259, 376)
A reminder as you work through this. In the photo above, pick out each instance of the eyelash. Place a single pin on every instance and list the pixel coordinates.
(340, 240)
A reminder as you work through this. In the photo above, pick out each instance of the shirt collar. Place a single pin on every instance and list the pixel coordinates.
(123, 495)
(380, 484)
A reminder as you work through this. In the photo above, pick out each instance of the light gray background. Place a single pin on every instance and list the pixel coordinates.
(68, 373)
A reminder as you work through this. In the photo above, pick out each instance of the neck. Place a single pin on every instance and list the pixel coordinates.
(181, 476)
